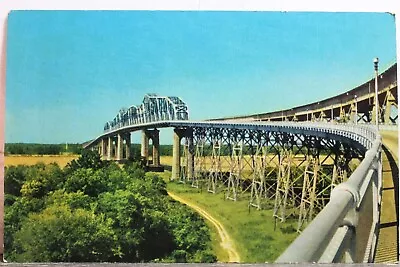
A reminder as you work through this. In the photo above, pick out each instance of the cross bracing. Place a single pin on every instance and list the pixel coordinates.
(263, 165)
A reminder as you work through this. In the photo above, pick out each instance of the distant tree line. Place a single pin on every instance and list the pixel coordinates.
(95, 211)
(41, 149)
(165, 150)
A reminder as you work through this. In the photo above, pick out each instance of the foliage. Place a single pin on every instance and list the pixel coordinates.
(14, 178)
(165, 150)
(60, 233)
(97, 211)
(88, 160)
(41, 149)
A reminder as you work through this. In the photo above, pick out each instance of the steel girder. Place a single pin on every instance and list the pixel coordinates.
(153, 108)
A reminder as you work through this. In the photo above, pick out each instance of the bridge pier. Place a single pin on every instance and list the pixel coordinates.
(154, 135)
(179, 133)
(128, 145)
(123, 143)
(103, 148)
(145, 146)
(155, 138)
(119, 147)
(109, 148)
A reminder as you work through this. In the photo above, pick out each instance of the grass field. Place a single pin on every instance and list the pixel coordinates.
(256, 236)
(61, 160)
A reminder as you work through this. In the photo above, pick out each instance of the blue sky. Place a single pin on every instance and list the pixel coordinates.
(68, 72)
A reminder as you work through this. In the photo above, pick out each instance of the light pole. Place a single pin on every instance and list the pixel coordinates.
(355, 100)
(307, 114)
(376, 61)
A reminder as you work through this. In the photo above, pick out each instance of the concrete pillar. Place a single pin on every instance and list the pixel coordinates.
(145, 146)
(155, 137)
(101, 148)
(176, 156)
(119, 147)
(109, 148)
(104, 148)
(156, 150)
(128, 145)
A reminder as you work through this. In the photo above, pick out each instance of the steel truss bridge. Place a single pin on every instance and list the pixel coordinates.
(326, 173)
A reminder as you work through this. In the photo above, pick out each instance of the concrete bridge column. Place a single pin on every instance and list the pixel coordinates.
(119, 147)
(155, 137)
(109, 148)
(145, 146)
(128, 145)
(176, 156)
(102, 148)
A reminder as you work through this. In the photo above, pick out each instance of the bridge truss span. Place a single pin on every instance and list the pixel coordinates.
(154, 108)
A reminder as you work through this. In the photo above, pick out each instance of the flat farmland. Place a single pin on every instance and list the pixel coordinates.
(61, 160)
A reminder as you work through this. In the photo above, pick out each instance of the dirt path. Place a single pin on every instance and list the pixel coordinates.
(226, 241)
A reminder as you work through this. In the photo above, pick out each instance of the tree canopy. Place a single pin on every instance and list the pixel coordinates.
(94, 211)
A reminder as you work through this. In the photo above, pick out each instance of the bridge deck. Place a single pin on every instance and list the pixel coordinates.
(387, 249)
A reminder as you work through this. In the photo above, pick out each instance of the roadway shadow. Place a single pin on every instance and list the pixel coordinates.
(395, 177)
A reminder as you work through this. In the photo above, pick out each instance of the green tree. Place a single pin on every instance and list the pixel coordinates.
(14, 215)
(14, 178)
(59, 234)
(41, 179)
(89, 181)
(75, 200)
(127, 214)
(88, 159)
